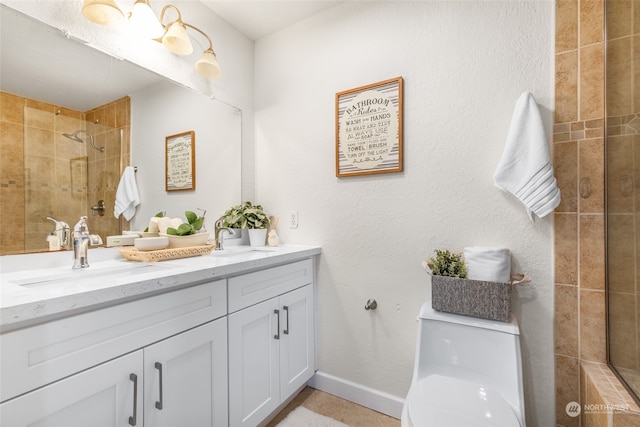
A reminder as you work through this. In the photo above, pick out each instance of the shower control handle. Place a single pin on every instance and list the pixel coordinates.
(99, 208)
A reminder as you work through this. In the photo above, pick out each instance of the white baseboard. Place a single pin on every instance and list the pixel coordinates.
(358, 393)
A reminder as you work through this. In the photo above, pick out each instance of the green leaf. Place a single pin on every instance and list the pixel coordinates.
(185, 229)
(191, 216)
(197, 224)
(172, 231)
(159, 215)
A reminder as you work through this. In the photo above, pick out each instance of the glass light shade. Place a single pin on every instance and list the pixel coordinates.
(177, 40)
(208, 65)
(103, 12)
(145, 21)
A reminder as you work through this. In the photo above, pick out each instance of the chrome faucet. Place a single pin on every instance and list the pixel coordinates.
(81, 241)
(218, 235)
(62, 232)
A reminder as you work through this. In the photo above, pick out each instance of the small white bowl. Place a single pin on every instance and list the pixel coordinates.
(189, 240)
(151, 243)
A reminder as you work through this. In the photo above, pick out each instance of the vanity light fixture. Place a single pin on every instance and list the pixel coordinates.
(178, 41)
(173, 36)
(103, 12)
(144, 20)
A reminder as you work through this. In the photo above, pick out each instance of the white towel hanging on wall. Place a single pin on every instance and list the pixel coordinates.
(525, 169)
(127, 197)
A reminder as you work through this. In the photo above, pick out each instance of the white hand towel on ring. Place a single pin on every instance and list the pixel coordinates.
(525, 168)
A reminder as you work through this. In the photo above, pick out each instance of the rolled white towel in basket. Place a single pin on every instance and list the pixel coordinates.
(488, 264)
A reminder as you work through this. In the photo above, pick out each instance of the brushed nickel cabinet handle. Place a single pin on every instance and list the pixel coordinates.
(134, 419)
(277, 335)
(286, 331)
(159, 403)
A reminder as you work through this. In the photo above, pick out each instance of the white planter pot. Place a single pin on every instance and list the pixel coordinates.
(257, 236)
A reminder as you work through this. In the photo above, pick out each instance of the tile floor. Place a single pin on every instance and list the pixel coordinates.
(339, 409)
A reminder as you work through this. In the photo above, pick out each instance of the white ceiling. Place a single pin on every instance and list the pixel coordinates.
(257, 18)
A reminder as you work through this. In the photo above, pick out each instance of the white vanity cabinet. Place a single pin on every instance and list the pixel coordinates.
(221, 342)
(185, 378)
(103, 396)
(109, 367)
(271, 339)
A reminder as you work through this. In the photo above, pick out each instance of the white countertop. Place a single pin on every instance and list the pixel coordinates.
(33, 295)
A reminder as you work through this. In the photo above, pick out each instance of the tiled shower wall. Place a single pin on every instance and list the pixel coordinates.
(42, 173)
(579, 158)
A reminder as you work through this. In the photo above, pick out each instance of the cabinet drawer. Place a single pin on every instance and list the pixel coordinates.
(253, 288)
(35, 356)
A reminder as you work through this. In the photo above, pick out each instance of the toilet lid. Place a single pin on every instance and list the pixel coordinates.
(450, 402)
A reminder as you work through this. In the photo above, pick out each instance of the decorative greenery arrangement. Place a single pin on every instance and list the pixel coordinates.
(194, 224)
(447, 263)
(247, 215)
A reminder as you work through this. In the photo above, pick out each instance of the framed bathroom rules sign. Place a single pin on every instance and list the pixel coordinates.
(369, 129)
(180, 161)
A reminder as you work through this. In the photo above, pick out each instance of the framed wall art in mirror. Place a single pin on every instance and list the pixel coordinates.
(180, 163)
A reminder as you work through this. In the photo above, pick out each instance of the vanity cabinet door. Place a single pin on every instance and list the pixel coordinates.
(103, 396)
(297, 339)
(185, 378)
(271, 354)
(254, 390)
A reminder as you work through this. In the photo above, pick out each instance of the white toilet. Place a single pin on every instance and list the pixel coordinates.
(468, 372)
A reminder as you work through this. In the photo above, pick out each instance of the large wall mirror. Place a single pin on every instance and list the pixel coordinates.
(72, 118)
(623, 190)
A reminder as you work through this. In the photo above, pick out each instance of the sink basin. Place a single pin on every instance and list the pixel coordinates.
(110, 271)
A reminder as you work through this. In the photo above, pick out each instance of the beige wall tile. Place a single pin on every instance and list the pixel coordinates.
(37, 118)
(566, 248)
(620, 248)
(566, 25)
(592, 252)
(592, 326)
(39, 142)
(636, 75)
(11, 108)
(565, 165)
(567, 388)
(591, 21)
(620, 179)
(619, 18)
(619, 77)
(566, 87)
(592, 82)
(566, 320)
(591, 175)
(622, 332)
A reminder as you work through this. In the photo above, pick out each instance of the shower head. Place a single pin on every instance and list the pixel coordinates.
(74, 137)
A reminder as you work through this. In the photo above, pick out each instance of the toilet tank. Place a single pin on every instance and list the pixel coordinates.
(486, 352)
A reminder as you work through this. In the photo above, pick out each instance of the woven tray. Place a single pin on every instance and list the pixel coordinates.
(134, 254)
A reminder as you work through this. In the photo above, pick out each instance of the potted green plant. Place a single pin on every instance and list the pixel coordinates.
(249, 216)
(447, 263)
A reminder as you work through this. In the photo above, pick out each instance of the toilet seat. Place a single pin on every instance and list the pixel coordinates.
(441, 401)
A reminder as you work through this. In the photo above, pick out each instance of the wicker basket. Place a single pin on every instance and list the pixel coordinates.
(487, 300)
(133, 254)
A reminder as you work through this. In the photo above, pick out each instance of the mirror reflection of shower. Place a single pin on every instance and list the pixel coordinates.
(74, 136)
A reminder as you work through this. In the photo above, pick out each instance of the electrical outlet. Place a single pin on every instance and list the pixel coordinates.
(293, 219)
